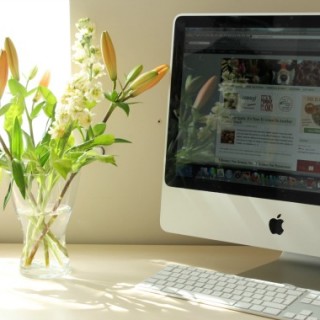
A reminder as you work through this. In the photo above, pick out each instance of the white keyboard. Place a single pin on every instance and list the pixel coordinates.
(268, 299)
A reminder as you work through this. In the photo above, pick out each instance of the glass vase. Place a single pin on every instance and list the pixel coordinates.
(44, 214)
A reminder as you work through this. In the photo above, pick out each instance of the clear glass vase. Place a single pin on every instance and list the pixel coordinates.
(44, 215)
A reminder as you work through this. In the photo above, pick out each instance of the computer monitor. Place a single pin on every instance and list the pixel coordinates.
(242, 161)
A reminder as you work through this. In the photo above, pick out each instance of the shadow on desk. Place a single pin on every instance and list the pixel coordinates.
(81, 297)
(102, 283)
(301, 273)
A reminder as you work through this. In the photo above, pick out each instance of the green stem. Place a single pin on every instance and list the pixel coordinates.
(64, 190)
(109, 113)
(49, 240)
(5, 148)
(46, 252)
(30, 124)
(46, 227)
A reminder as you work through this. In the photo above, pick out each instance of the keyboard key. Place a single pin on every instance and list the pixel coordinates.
(256, 307)
(170, 290)
(272, 311)
(306, 312)
(289, 315)
(306, 300)
(243, 305)
(273, 305)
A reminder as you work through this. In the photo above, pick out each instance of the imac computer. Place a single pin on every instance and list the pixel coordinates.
(242, 162)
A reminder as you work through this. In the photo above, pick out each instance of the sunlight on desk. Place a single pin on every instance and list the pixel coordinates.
(16, 289)
(102, 284)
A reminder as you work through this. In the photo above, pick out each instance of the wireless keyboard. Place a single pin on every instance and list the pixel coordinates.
(263, 298)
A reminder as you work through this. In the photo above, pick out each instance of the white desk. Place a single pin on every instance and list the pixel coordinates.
(101, 285)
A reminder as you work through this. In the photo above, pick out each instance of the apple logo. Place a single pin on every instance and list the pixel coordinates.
(275, 225)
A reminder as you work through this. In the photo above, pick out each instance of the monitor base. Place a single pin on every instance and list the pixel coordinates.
(299, 270)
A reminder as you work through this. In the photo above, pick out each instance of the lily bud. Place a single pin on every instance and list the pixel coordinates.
(134, 73)
(143, 79)
(33, 73)
(44, 81)
(12, 58)
(148, 79)
(108, 55)
(3, 71)
(162, 70)
(205, 93)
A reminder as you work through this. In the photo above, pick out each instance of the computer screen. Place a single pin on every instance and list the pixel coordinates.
(242, 160)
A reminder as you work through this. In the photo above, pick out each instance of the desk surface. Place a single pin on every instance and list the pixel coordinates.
(103, 279)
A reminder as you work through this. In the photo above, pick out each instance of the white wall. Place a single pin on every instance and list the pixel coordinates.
(122, 205)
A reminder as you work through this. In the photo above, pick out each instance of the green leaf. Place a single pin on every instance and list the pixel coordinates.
(124, 106)
(83, 160)
(16, 140)
(16, 88)
(86, 158)
(36, 110)
(90, 134)
(99, 129)
(63, 166)
(106, 158)
(15, 111)
(120, 140)
(49, 109)
(32, 91)
(65, 141)
(46, 139)
(29, 152)
(111, 96)
(75, 156)
(18, 176)
(29, 142)
(50, 99)
(48, 95)
(7, 196)
(102, 140)
(4, 109)
(42, 152)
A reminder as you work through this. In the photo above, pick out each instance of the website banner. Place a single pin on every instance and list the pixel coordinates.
(268, 123)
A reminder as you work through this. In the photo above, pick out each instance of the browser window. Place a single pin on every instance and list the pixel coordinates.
(260, 123)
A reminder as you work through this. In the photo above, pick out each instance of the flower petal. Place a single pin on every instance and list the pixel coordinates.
(3, 71)
(109, 55)
(12, 58)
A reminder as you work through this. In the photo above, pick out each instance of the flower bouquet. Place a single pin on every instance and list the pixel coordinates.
(43, 169)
